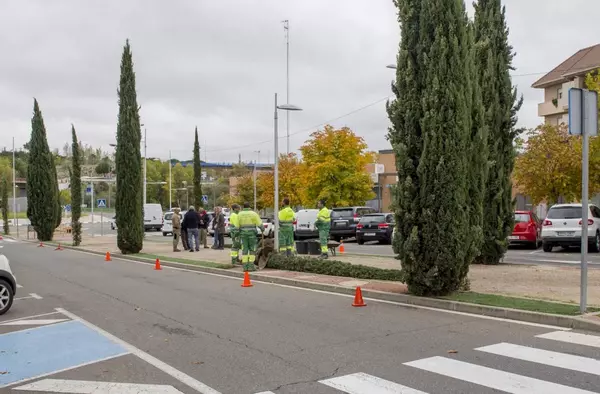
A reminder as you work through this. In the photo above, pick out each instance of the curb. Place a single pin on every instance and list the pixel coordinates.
(572, 322)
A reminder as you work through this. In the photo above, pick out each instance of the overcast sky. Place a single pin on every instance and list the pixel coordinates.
(217, 63)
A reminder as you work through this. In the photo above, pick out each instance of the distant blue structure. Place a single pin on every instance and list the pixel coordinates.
(205, 164)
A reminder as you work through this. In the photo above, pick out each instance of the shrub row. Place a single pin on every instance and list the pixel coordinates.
(331, 267)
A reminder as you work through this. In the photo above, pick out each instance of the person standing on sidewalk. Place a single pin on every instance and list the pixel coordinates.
(249, 221)
(286, 228)
(184, 233)
(234, 232)
(221, 229)
(323, 224)
(203, 226)
(191, 224)
(176, 222)
(214, 228)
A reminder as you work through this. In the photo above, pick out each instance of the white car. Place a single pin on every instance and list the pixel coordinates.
(562, 227)
(8, 285)
(268, 226)
(167, 228)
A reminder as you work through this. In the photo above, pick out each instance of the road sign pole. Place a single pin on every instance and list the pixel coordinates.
(92, 204)
(584, 207)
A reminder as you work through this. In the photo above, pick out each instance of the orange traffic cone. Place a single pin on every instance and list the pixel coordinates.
(342, 249)
(247, 282)
(41, 245)
(59, 247)
(107, 257)
(358, 300)
(157, 266)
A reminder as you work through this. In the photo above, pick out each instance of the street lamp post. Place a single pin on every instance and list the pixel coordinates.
(284, 107)
(257, 158)
(145, 164)
(170, 183)
(14, 193)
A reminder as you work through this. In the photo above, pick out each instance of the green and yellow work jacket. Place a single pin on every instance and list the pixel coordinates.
(286, 217)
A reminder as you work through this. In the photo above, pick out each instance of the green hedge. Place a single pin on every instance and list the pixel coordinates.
(331, 267)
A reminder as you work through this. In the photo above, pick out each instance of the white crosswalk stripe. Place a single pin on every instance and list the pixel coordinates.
(492, 378)
(362, 383)
(554, 359)
(572, 337)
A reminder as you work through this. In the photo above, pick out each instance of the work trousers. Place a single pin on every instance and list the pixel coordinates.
(249, 243)
(176, 236)
(323, 228)
(286, 239)
(235, 245)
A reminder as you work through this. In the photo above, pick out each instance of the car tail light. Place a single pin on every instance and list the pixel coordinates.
(383, 225)
(590, 222)
(547, 223)
(359, 226)
(356, 218)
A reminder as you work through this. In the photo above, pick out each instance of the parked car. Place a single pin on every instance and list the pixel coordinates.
(304, 224)
(527, 230)
(562, 227)
(8, 285)
(344, 221)
(268, 225)
(153, 217)
(167, 228)
(113, 223)
(375, 227)
(211, 231)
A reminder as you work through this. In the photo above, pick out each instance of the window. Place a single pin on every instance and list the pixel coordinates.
(565, 213)
(595, 211)
(521, 218)
(559, 93)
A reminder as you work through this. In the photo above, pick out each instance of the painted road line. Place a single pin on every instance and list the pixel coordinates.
(492, 378)
(89, 387)
(572, 337)
(400, 304)
(37, 297)
(32, 316)
(34, 322)
(169, 370)
(30, 296)
(19, 286)
(546, 357)
(266, 392)
(362, 383)
(42, 351)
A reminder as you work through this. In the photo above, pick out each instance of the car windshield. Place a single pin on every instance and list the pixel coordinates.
(338, 213)
(565, 213)
(521, 218)
(372, 219)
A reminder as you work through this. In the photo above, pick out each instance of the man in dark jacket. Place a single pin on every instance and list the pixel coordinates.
(221, 228)
(184, 233)
(203, 226)
(191, 223)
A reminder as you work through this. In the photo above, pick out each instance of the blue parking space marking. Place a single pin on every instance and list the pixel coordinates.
(45, 350)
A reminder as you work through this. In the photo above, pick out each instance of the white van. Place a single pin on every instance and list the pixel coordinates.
(167, 228)
(153, 217)
(304, 227)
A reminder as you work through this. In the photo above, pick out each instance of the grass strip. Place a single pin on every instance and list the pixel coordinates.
(526, 304)
(208, 264)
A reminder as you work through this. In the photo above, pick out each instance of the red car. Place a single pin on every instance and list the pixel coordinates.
(527, 231)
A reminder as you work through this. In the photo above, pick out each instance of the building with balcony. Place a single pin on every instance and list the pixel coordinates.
(556, 84)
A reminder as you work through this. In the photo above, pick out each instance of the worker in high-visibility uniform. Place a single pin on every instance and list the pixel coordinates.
(249, 222)
(286, 228)
(234, 232)
(323, 224)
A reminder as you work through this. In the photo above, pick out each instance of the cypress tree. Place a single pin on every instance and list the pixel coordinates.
(43, 207)
(75, 190)
(128, 162)
(4, 189)
(431, 131)
(197, 173)
(501, 104)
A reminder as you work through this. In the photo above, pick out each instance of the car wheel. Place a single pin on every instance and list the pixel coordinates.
(360, 241)
(535, 244)
(595, 247)
(547, 247)
(6, 296)
(165, 234)
(337, 239)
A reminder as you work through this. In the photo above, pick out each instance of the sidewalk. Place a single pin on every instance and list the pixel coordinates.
(540, 282)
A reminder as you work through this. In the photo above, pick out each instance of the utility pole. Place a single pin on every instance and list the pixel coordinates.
(257, 159)
(145, 159)
(14, 193)
(170, 183)
(286, 28)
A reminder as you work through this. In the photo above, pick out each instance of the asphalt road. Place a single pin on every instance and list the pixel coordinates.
(123, 322)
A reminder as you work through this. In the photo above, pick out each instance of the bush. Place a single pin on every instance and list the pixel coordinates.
(331, 267)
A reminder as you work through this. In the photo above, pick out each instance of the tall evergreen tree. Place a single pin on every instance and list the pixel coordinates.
(43, 207)
(501, 103)
(197, 173)
(75, 189)
(128, 162)
(431, 131)
(4, 207)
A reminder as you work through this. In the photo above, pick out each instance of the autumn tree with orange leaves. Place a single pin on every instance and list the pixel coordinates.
(334, 168)
(291, 182)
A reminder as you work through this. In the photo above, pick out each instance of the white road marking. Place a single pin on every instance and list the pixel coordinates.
(37, 297)
(9, 240)
(266, 392)
(19, 286)
(572, 337)
(38, 322)
(401, 304)
(65, 369)
(554, 359)
(175, 373)
(31, 317)
(362, 383)
(504, 381)
(89, 387)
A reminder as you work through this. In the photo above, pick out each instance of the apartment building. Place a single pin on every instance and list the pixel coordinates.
(556, 84)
